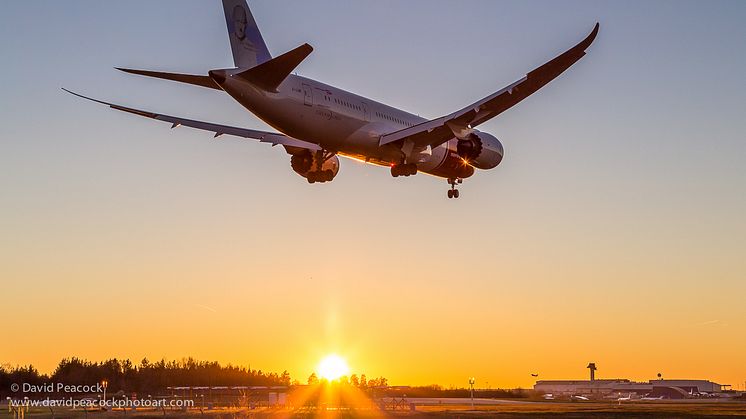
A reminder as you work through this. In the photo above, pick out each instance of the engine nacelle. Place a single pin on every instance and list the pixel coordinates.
(480, 150)
(306, 164)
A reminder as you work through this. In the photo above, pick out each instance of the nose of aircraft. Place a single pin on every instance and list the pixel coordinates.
(218, 75)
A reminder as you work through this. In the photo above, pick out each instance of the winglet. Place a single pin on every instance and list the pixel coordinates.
(590, 38)
(557, 66)
(270, 74)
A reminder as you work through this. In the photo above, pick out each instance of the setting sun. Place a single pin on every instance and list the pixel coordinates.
(332, 367)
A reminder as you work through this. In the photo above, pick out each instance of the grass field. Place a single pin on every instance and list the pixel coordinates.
(664, 409)
(599, 410)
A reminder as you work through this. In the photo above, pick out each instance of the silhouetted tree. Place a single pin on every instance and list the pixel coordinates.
(19, 375)
(313, 379)
(378, 382)
(285, 378)
(147, 377)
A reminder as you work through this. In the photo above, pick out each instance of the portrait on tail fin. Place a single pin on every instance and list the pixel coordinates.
(247, 44)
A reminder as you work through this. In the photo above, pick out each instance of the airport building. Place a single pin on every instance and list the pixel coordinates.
(669, 389)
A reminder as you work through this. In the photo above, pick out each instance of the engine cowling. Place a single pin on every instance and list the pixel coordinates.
(306, 164)
(480, 150)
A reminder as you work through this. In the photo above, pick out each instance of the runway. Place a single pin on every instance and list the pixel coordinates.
(454, 401)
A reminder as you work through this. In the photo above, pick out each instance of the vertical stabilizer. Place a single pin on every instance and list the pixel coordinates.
(247, 44)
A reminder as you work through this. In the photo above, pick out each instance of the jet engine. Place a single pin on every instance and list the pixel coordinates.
(307, 165)
(480, 150)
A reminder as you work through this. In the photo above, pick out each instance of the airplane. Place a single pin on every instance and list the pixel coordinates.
(625, 399)
(317, 122)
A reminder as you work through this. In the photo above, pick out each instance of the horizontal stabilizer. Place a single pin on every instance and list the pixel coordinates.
(203, 81)
(270, 74)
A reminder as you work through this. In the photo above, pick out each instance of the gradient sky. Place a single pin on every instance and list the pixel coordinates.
(613, 231)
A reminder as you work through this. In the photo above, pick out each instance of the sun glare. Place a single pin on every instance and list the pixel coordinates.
(332, 367)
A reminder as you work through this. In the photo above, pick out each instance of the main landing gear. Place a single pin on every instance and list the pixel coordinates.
(453, 192)
(316, 172)
(409, 169)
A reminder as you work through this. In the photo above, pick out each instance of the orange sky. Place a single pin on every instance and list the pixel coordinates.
(128, 300)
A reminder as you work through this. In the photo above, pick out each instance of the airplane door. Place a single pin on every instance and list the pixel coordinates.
(307, 95)
(365, 111)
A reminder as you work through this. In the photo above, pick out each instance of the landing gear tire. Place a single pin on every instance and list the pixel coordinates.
(320, 177)
(409, 169)
(450, 193)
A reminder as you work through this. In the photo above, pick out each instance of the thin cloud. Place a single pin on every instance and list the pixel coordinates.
(206, 308)
(707, 323)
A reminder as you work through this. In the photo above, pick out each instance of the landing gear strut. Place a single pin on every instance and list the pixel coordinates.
(453, 192)
(316, 174)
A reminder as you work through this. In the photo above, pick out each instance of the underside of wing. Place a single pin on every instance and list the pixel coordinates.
(438, 131)
(217, 129)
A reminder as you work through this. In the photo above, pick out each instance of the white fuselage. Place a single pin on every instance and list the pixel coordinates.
(341, 122)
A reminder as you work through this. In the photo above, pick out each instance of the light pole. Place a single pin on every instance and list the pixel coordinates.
(104, 384)
(471, 388)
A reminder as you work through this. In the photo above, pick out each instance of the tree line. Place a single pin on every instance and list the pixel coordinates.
(361, 382)
(145, 377)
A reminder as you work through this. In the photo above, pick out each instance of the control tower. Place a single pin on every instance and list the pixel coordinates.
(592, 367)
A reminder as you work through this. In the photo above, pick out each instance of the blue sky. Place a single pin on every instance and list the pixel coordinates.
(622, 187)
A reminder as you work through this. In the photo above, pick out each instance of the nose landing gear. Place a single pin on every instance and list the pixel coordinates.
(453, 192)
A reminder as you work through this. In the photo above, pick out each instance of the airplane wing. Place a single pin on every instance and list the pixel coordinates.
(262, 136)
(457, 124)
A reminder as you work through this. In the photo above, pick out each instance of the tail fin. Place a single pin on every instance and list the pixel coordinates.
(249, 49)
